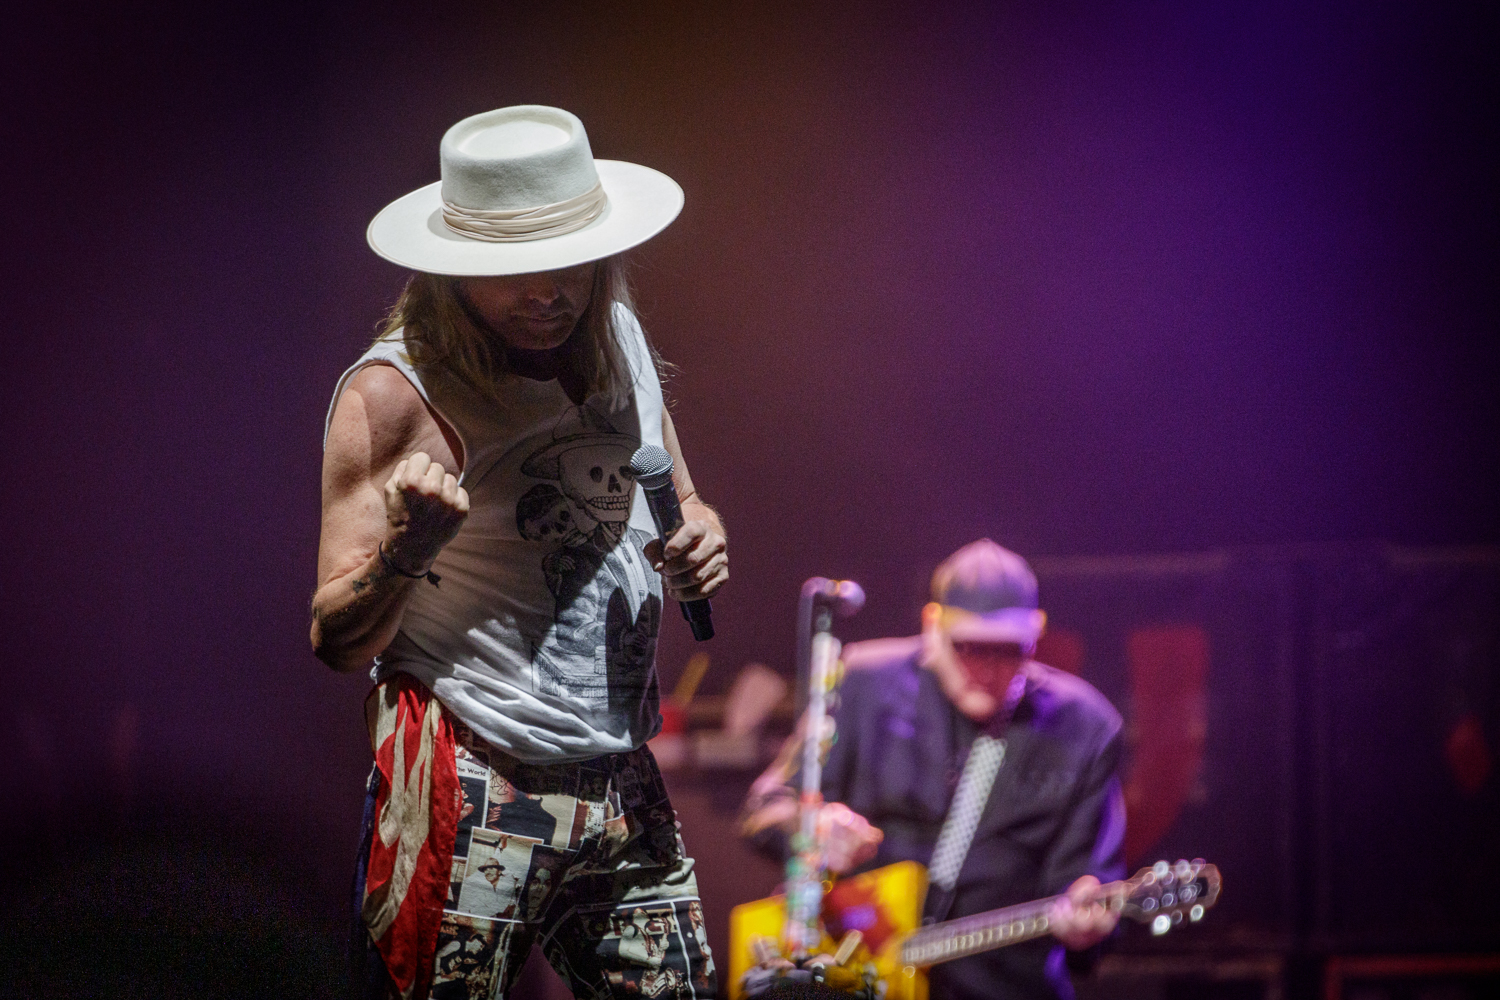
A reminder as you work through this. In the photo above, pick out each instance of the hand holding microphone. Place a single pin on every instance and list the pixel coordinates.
(692, 555)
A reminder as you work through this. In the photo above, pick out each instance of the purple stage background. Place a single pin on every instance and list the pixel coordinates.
(1084, 277)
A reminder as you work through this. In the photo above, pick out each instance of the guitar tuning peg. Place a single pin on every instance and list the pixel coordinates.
(846, 947)
(1160, 924)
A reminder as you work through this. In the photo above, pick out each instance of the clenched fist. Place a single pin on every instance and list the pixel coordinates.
(424, 508)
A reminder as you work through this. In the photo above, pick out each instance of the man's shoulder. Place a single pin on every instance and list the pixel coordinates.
(872, 656)
(632, 341)
(880, 670)
(881, 696)
(1066, 701)
(386, 391)
(379, 413)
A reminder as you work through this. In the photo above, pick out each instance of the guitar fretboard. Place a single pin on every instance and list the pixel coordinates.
(966, 936)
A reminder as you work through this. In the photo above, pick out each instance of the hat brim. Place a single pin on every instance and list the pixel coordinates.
(1018, 625)
(410, 230)
(535, 464)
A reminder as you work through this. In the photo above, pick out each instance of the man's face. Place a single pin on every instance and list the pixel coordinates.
(973, 675)
(532, 312)
(990, 665)
(492, 872)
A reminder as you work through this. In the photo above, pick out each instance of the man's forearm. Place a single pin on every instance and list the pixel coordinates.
(768, 827)
(769, 813)
(355, 616)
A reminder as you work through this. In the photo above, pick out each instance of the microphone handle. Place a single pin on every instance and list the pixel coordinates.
(666, 511)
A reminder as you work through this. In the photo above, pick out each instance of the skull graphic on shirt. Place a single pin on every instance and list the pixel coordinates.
(606, 598)
(596, 477)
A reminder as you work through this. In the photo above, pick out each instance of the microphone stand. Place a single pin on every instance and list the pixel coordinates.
(817, 674)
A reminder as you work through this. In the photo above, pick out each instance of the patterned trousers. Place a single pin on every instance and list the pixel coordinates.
(583, 859)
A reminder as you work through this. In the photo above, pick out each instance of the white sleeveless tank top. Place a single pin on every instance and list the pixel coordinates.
(542, 635)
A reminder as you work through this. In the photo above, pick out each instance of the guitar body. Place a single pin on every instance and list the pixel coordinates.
(884, 905)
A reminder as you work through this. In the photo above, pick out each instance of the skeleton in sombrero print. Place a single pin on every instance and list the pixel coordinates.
(605, 623)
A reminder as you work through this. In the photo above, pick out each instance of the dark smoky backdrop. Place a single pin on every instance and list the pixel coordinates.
(1087, 278)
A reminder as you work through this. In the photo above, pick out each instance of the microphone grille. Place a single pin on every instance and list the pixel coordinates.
(652, 465)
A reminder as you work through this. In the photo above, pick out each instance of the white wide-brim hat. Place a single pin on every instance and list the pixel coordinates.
(522, 192)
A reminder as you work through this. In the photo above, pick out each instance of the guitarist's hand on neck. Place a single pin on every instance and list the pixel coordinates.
(1078, 920)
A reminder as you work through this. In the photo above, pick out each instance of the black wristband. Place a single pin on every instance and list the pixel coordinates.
(429, 576)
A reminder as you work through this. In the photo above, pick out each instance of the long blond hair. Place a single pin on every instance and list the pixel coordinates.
(437, 331)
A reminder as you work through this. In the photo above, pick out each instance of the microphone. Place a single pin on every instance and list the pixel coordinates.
(652, 468)
(820, 600)
(842, 597)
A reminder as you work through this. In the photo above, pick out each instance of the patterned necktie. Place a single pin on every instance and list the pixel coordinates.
(974, 785)
(968, 805)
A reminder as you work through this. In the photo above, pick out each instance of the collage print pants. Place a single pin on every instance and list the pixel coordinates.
(583, 860)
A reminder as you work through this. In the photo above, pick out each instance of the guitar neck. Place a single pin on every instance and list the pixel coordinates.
(992, 929)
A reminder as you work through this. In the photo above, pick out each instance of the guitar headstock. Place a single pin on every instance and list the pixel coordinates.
(1164, 894)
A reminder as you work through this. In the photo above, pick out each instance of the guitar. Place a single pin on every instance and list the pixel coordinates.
(885, 906)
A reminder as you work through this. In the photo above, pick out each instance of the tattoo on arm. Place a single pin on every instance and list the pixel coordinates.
(371, 578)
(325, 617)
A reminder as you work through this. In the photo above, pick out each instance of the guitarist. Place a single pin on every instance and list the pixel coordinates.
(910, 711)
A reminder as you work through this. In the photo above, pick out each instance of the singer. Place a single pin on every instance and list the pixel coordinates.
(485, 544)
